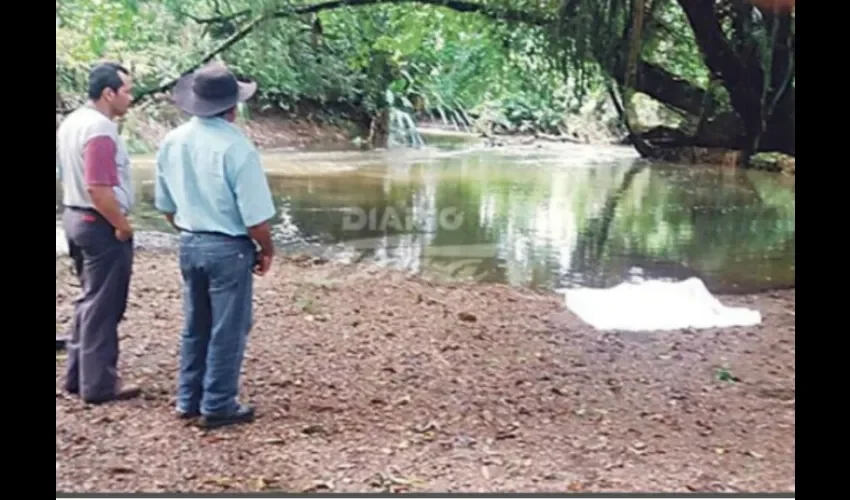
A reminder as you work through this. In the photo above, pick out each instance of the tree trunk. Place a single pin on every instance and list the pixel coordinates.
(779, 128)
(766, 111)
(379, 129)
(780, 134)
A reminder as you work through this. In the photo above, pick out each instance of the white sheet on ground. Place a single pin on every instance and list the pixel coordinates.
(655, 305)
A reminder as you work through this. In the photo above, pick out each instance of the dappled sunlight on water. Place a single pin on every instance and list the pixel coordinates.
(553, 217)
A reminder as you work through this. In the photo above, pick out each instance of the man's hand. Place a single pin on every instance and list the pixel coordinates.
(104, 202)
(264, 262)
(124, 234)
(261, 233)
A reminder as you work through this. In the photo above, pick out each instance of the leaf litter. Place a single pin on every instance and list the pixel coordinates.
(329, 409)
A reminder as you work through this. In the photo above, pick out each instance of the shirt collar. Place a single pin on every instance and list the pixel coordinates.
(216, 121)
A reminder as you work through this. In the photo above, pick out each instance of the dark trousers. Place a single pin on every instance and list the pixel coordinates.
(104, 266)
(217, 293)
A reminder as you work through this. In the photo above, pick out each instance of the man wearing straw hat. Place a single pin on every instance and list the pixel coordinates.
(211, 187)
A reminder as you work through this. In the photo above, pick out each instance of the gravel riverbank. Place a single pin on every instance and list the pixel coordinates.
(370, 380)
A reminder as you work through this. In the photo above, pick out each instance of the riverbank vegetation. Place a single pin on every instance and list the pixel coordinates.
(717, 75)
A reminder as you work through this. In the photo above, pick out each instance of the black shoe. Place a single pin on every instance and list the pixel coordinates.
(188, 415)
(122, 394)
(244, 415)
(60, 343)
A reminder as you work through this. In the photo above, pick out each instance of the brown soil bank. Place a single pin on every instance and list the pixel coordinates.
(369, 380)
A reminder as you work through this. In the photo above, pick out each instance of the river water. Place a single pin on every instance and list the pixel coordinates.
(548, 217)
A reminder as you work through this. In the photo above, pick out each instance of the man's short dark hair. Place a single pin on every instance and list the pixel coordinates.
(105, 75)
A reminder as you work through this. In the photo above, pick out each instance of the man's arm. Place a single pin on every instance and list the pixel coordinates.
(254, 199)
(101, 175)
(170, 219)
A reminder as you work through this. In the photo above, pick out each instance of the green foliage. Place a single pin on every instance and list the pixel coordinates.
(434, 61)
(145, 36)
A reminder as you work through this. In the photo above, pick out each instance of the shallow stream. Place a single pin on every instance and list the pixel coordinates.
(553, 216)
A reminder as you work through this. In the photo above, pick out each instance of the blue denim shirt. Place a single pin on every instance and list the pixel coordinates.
(210, 176)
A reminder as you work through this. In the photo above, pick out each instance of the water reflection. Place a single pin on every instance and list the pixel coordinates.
(534, 221)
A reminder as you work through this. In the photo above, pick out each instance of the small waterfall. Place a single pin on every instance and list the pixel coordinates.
(402, 130)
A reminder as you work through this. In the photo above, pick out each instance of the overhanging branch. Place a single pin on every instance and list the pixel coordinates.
(216, 19)
(501, 13)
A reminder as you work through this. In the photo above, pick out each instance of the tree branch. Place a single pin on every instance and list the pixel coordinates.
(664, 86)
(464, 6)
(742, 81)
(216, 19)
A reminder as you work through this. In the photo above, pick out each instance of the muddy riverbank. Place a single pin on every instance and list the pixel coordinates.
(370, 380)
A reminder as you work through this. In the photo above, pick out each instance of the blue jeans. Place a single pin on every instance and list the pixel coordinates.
(217, 293)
